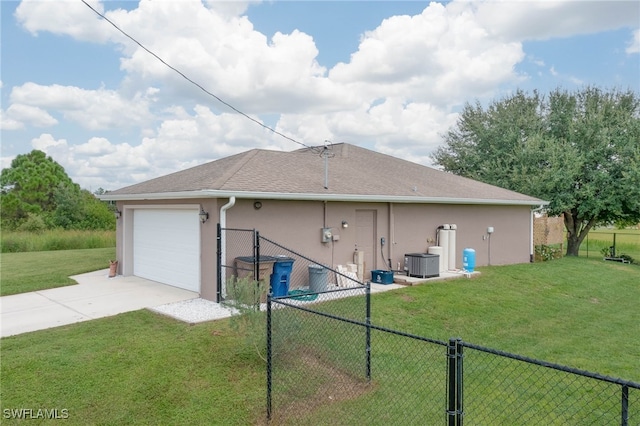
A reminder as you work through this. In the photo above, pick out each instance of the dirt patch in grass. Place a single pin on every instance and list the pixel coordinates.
(321, 384)
(407, 298)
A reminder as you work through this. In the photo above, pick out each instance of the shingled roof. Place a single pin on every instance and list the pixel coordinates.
(353, 173)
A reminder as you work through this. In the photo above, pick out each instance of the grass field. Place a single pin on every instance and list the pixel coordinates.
(57, 239)
(31, 271)
(142, 368)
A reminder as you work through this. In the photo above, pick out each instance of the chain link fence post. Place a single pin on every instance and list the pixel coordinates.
(368, 330)
(459, 382)
(451, 382)
(625, 406)
(269, 356)
(455, 406)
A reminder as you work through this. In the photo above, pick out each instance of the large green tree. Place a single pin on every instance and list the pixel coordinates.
(35, 186)
(29, 186)
(578, 150)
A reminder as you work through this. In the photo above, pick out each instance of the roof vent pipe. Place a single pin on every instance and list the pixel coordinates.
(223, 243)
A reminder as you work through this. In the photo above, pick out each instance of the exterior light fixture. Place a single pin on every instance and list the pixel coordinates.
(204, 216)
(118, 214)
(345, 224)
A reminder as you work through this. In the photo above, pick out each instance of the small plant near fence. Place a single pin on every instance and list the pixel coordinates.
(244, 296)
(545, 253)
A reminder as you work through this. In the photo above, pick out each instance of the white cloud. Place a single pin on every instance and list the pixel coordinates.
(542, 20)
(46, 141)
(5, 162)
(9, 123)
(230, 8)
(64, 17)
(30, 115)
(91, 109)
(634, 43)
(442, 56)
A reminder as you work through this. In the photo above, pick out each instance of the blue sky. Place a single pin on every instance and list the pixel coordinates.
(385, 75)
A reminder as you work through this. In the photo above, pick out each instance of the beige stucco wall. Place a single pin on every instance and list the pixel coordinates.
(407, 228)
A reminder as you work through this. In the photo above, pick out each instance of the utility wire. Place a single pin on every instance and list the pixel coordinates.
(193, 82)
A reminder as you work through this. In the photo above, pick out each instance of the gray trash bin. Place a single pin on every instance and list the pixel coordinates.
(318, 278)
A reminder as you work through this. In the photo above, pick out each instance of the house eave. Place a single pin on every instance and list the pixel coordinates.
(317, 197)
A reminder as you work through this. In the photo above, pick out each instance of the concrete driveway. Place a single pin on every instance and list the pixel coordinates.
(95, 296)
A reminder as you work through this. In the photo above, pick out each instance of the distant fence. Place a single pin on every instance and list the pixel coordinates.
(611, 244)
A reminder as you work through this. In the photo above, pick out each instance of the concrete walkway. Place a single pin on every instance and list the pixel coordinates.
(95, 296)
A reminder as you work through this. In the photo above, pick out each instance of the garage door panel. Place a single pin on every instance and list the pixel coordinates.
(167, 246)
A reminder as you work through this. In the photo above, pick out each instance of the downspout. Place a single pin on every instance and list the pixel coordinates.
(531, 248)
(223, 242)
(392, 236)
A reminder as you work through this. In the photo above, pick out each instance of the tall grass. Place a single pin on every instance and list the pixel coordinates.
(15, 242)
(626, 242)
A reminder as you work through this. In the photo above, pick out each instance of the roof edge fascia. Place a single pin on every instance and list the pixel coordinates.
(315, 197)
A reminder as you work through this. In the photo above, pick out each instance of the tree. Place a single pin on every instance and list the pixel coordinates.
(36, 186)
(80, 209)
(578, 150)
(29, 186)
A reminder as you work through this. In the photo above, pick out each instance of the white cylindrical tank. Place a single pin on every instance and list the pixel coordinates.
(452, 247)
(444, 243)
(437, 250)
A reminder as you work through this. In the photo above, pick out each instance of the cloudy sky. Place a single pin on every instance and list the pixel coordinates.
(385, 75)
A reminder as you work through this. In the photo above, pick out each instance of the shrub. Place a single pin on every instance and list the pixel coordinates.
(244, 296)
(544, 253)
(34, 223)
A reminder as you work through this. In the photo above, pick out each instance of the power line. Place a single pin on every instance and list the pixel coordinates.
(228, 105)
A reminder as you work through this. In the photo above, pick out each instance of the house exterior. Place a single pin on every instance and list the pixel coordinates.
(379, 205)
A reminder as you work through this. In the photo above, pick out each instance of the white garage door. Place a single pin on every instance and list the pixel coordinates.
(166, 246)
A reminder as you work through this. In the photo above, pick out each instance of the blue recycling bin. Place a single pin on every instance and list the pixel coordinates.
(281, 276)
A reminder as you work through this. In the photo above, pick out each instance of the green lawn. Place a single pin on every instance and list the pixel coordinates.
(571, 311)
(31, 271)
(142, 368)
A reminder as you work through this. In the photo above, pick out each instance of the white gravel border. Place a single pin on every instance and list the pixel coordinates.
(194, 311)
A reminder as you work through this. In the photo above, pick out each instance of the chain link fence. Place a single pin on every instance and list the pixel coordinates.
(503, 388)
(328, 364)
(326, 369)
